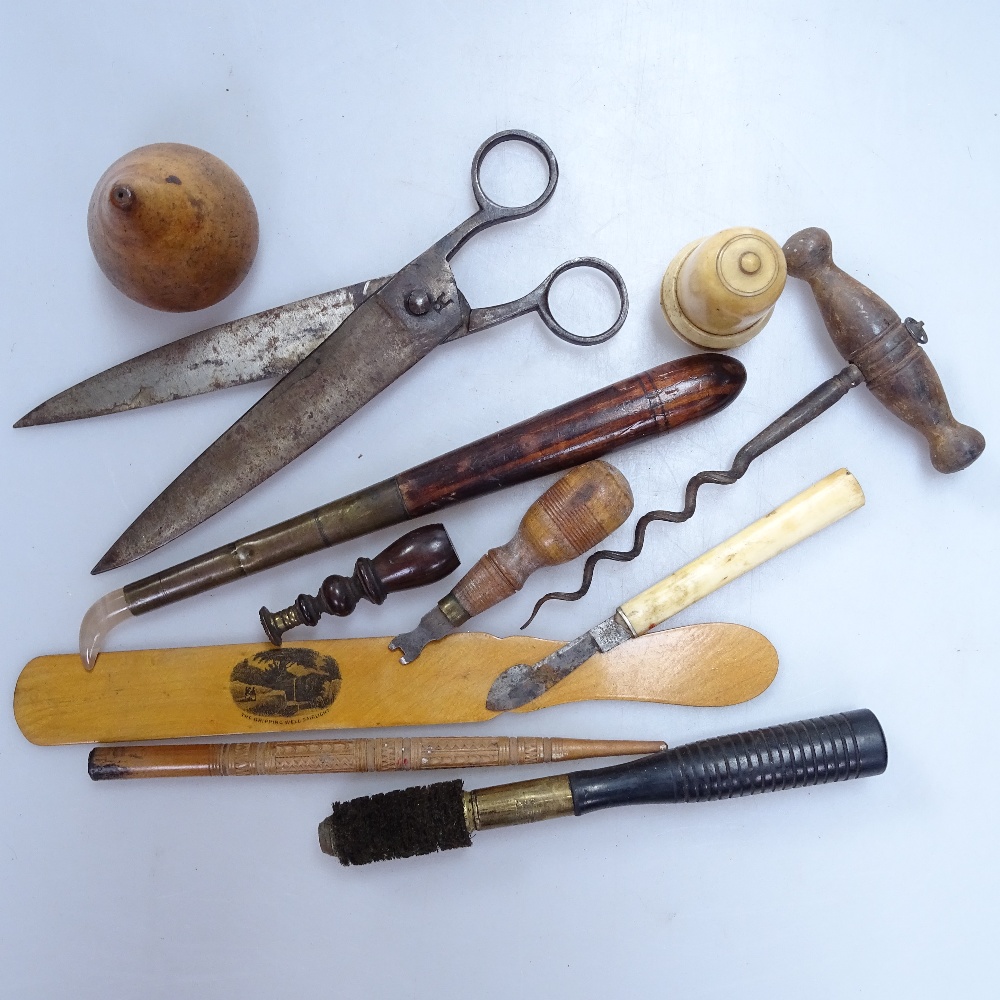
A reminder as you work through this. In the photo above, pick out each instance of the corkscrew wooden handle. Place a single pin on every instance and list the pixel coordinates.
(418, 753)
(570, 517)
(869, 334)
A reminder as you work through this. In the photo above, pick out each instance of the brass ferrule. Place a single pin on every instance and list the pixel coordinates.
(451, 607)
(375, 507)
(520, 802)
(276, 623)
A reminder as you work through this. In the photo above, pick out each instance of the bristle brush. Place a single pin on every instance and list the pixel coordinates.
(422, 820)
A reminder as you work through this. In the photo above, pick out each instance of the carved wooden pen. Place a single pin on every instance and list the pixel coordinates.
(652, 402)
(418, 753)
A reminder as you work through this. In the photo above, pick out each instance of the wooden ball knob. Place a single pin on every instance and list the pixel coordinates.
(172, 227)
(576, 512)
(720, 291)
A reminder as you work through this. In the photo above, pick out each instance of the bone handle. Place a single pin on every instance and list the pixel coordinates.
(570, 517)
(810, 511)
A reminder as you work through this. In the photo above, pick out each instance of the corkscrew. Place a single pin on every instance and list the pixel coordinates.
(881, 349)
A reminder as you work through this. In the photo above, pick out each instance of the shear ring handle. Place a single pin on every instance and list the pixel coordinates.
(492, 211)
(537, 300)
(541, 293)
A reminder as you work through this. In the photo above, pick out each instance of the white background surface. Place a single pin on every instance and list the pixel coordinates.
(353, 126)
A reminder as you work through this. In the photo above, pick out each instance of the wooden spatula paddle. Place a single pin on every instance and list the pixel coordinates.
(359, 683)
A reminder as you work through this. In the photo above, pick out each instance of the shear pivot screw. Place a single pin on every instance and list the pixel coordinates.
(418, 302)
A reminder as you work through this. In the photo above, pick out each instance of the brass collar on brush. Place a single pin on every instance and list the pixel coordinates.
(520, 802)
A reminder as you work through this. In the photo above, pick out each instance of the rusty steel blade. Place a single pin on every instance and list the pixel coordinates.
(522, 683)
(378, 342)
(264, 345)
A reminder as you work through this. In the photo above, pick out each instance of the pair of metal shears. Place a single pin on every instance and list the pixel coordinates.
(335, 351)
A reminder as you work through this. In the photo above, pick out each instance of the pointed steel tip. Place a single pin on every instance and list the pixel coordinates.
(112, 559)
(41, 414)
(106, 563)
(499, 701)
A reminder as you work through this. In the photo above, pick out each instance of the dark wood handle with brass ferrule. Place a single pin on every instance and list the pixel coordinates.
(571, 516)
(420, 557)
(650, 403)
(870, 335)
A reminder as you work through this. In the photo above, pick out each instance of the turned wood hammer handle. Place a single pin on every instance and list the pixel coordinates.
(570, 517)
(805, 514)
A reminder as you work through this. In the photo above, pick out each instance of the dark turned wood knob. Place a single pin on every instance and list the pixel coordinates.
(870, 335)
(422, 556)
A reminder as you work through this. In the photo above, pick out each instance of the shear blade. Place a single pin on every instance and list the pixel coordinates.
(376, 344)
(264, 345)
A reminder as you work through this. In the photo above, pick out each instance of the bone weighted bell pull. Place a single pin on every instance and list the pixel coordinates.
(720, 291)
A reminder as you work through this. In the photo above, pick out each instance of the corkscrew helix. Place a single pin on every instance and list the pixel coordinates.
(881, 349)
(804, 411)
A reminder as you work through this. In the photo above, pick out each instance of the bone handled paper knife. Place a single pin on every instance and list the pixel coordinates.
(335, 352)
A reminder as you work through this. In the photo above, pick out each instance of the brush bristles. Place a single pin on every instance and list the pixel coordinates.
(399, 824)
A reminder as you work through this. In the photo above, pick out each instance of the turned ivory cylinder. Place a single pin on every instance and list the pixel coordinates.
(720, 291)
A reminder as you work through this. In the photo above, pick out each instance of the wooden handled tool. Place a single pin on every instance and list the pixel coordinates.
(571, 516)
(869, 334)
(652, 402)
(358, 683)
(414, 821)
(420, 557)
(815, 508)
(401, 753)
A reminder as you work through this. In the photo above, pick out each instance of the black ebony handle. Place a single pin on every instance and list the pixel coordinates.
(424, 555)
(812, 752)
